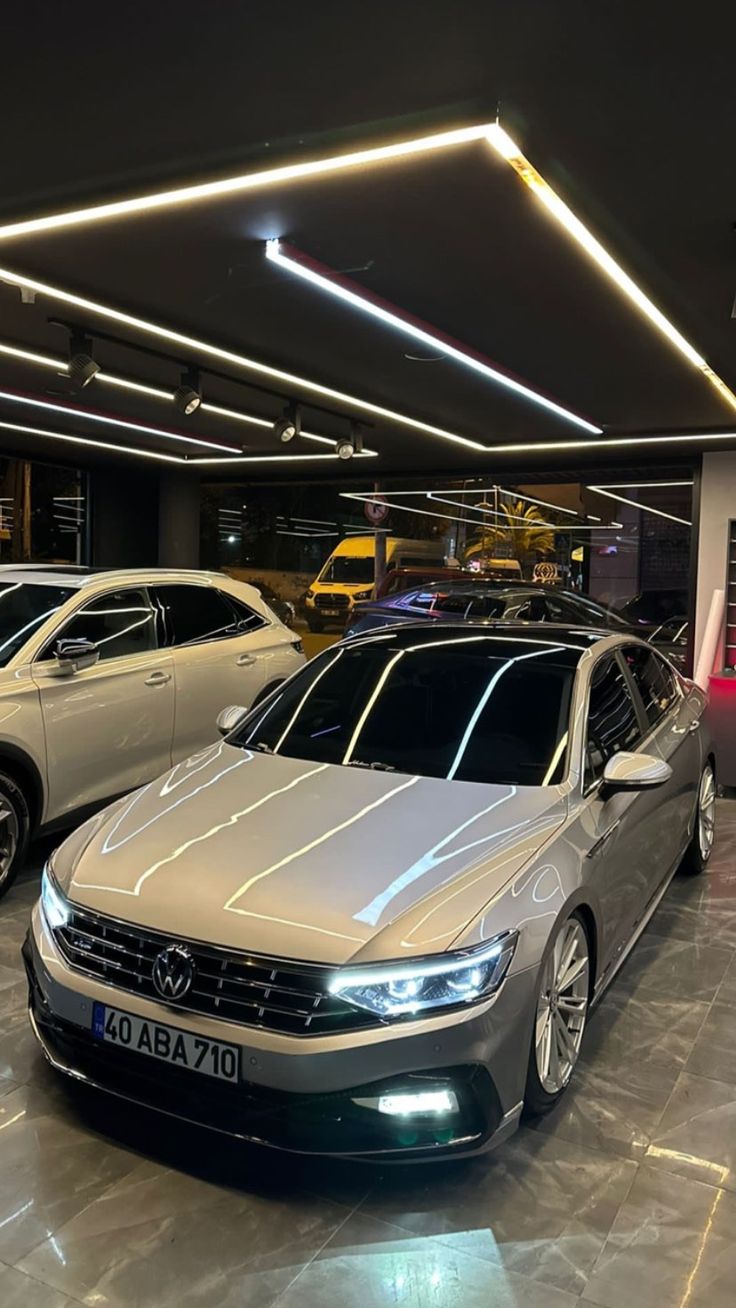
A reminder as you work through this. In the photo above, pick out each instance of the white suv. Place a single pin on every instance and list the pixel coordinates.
(109, 678)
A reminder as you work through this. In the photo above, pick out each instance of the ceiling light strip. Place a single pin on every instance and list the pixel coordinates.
(368, 497)
(248, 181)
(508, 150)
(342, 288)
(624, 442)
(230, 357)
(16, 397)
(644, 508)
(97, 444)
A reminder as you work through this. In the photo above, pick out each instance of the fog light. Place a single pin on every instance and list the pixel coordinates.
(401, 1103)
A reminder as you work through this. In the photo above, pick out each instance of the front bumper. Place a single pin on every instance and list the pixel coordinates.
(305, 1102)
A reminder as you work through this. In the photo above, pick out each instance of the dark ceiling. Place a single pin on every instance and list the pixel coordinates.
(627, 109)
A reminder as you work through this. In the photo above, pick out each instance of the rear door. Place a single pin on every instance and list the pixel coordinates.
(108, 728)
(220, 651)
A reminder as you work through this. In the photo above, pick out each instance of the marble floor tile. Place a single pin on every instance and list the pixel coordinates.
(671, 1246)
(648, 1026)
(726, 993)
(162, 1238)
(50, 1168)
(679, 969)
(697, 1134)
(371, 1264)
(20, 1057)
(539, 1206)
(20, 1291)
(714, 1051)
(614, 1109)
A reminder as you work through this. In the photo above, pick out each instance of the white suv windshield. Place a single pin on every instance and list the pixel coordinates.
(24, 607)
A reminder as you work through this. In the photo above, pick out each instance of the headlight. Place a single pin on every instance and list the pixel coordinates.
(55, 906)
(401, 989)
(310, 594)
(362, 594)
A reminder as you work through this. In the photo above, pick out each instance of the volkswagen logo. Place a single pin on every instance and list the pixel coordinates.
(173, 972)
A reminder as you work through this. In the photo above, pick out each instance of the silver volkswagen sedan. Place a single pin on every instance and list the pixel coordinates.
(372, 920)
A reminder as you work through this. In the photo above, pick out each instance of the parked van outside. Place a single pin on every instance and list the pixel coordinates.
(349, 574)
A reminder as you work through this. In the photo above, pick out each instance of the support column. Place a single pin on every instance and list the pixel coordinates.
(178, 520)
(717, 508)
(124, 518)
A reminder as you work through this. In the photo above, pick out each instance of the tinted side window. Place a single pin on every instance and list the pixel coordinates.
(654, 680)
(196, 613)
(613, 724)
(246, 618)
(121, 622)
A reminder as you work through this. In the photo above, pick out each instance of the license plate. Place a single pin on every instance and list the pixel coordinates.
(182, 1048)
(331, 613)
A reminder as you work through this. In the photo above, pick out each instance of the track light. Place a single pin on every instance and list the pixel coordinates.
(188, 394)
(82, 367)
(289, 425)
(347, 446)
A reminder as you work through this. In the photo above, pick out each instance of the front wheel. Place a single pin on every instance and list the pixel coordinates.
(15, 825)
(704, 833)
(561, 1013)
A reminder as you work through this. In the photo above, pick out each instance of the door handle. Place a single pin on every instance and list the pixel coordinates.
(694, 726)
(245, 660)
(158, 678)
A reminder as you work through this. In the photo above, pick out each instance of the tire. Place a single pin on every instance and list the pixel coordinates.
(549, 1071)
(315, 625)
(15, 830)
(698, 852)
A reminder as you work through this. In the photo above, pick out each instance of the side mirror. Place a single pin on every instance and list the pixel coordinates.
(635, 772)
(229, 718)
(75, 655)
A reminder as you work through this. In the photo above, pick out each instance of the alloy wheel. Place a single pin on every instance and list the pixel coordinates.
(706, 813)
(562, 1007)
(9, 836)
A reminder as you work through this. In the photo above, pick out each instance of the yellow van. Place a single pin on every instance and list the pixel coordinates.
(349, 574)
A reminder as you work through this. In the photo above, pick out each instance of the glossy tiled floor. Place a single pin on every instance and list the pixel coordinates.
(625, 1197)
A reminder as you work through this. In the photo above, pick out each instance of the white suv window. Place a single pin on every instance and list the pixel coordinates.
(195, 614)
(120, 622)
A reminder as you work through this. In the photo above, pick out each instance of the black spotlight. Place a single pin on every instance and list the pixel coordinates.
(82, 367)
(289, 425)
(347, 446)
(188, 394)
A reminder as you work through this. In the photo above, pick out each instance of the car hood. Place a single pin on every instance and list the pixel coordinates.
(305, 860)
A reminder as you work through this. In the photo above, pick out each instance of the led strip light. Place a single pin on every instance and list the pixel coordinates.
(230, 357)
(157, 392)
(509, 150)
(610, 487)
(370, 497)
(326, 279)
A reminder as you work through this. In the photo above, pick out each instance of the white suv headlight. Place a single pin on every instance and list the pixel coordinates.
(402, 989)
(54, 905)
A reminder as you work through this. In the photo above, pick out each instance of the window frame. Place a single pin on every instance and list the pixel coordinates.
(166, 626)
(616, 655)
(58, 632)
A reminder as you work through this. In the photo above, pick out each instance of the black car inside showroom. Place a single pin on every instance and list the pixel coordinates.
(367, 655)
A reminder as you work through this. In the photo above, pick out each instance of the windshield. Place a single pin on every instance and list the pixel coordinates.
(347, 570)
(449, 709)
(23, 609)
(596, 612)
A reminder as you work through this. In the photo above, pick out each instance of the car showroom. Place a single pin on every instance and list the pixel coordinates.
(367, 656)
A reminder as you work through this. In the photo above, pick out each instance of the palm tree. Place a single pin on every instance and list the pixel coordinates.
(521, 534)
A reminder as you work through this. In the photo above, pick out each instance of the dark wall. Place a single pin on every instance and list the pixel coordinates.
(124, 508)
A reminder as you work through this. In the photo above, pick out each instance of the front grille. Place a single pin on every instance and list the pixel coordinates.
(246, 988)
(328, 601)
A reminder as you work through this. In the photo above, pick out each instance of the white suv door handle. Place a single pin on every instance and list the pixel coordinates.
(245, 660)
(158, 678)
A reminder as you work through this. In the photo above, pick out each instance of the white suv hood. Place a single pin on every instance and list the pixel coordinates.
(303, 860)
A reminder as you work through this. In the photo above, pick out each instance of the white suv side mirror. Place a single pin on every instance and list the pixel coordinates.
(75, 655)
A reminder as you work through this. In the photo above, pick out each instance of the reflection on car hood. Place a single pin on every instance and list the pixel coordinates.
(305, 860)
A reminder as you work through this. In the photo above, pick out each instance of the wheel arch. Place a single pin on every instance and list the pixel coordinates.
(20, 767)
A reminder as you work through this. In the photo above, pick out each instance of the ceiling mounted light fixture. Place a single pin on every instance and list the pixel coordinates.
(289, 425)
(289, 380)
(188, 394)
(81, 368)
(563, 214)
(95, 444)
(108, 420)
(348, 446)
(327, 279)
